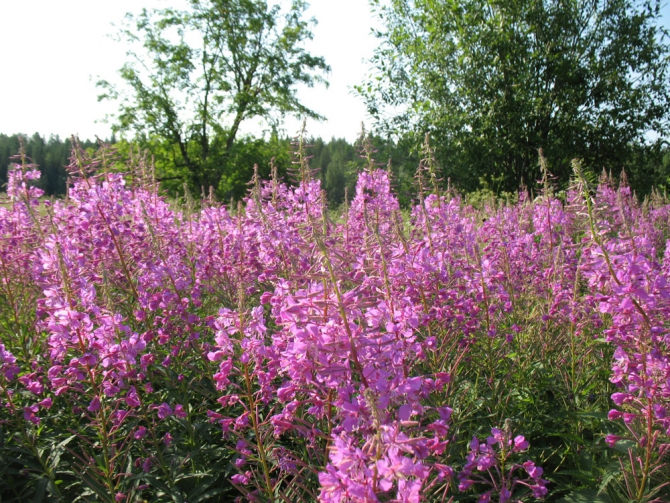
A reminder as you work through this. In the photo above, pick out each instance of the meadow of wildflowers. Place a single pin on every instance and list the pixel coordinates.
(192, 352)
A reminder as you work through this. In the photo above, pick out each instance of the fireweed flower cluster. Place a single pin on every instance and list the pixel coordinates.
(623, 265)
(490, 463)
(266, 351)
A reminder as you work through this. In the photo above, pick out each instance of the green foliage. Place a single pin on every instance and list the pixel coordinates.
(493, 82)
(650, 168)
(336, 161)
(248, 152)
(203, 72)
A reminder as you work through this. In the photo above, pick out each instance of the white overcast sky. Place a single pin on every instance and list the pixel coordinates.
(53, 52)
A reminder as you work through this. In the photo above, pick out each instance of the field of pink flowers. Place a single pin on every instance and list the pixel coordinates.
(197, 352)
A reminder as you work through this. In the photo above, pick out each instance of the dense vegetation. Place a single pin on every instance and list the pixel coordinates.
(272, 351)
(336, 163)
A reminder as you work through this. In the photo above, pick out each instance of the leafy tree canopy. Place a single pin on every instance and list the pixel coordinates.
(202, 72)
(494, 81)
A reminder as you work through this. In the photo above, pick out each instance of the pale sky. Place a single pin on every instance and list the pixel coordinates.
(53, 52)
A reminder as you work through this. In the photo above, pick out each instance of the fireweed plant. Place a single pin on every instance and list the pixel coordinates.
(264, 352)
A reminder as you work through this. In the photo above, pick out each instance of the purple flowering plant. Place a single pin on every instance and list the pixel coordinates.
(271, 352)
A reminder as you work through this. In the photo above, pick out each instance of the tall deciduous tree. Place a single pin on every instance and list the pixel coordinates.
(204, 71)
(496, 80)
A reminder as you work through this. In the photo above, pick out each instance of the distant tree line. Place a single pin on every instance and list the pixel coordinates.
(51, 154)
(336, 162)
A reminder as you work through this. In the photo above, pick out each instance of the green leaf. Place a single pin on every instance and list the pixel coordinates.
(585, 496)
(41, 490)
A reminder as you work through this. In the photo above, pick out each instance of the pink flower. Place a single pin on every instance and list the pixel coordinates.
(241, 478)
(532, 470)
(46, 403)
(35, 387)
(614, 415)
(611, 440)
(443, 471)
(94, 405)
(132, 398)
(164, 410)
(465, 484)
(485, 498)
(539, 490)
(179, 411)
(29, 414)
(520, 443)
(621, 398)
